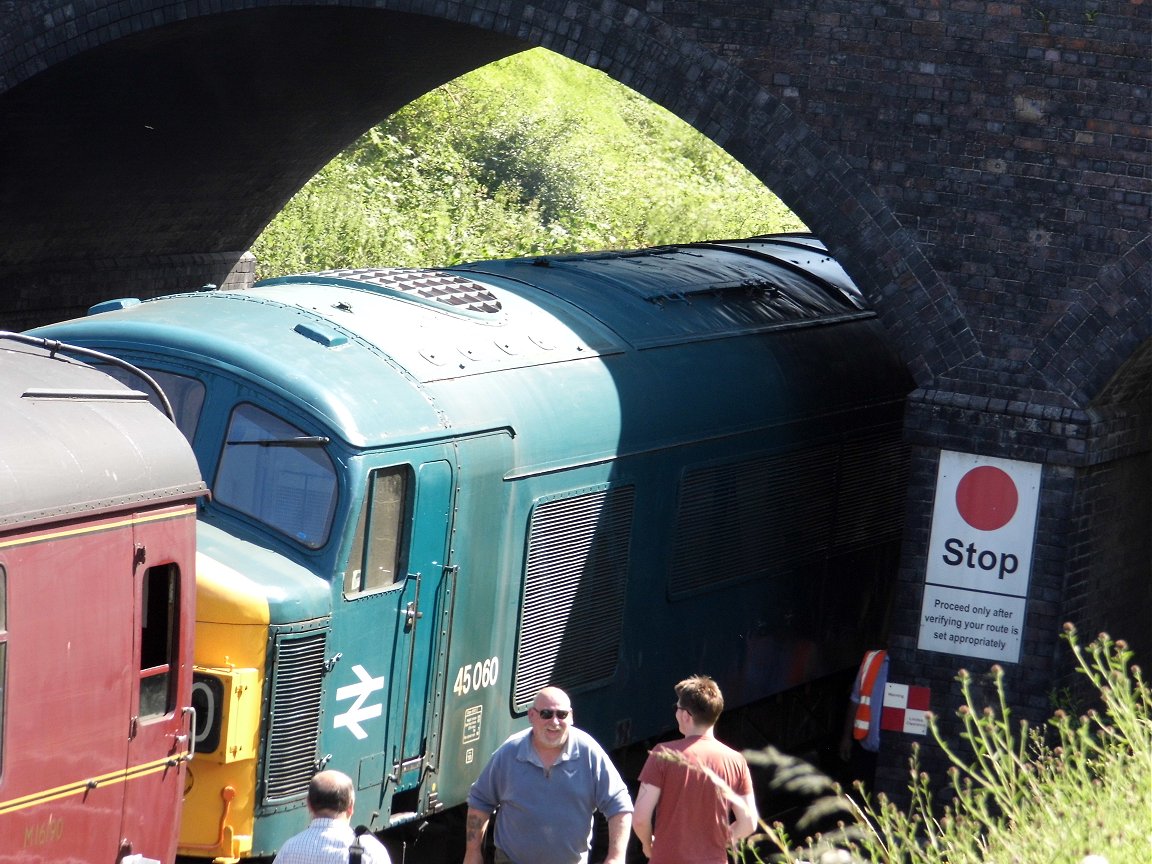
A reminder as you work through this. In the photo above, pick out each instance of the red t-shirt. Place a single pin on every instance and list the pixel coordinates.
(691, 819)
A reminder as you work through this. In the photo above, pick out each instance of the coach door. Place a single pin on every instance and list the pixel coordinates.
(393, 592)
(160, 722)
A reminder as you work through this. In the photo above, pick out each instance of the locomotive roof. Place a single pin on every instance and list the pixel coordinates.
(640, 298)
(326, 339)
(75, 440)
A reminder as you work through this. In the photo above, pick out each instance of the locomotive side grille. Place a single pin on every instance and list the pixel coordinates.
(294, 719)
(573, 592)
(745, 519)
(874, 480)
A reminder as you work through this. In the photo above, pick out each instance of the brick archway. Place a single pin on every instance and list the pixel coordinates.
(154, 203)
(982, 172)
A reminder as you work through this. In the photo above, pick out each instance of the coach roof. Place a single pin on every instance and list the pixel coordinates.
(74, 440)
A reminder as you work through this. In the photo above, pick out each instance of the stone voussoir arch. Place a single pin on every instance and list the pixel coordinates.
(648, 55)
(980, 169)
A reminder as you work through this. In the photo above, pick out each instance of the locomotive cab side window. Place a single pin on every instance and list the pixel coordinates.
(278, 474)
(159, 622)
(375, 560)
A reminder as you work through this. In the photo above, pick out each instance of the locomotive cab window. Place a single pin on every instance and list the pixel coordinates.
(374, 563)
(185, 395)
(159, 619)
(278, 474)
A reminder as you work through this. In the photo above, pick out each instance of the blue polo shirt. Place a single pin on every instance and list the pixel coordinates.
(546, 814)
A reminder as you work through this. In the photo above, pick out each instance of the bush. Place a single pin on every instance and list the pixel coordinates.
(530, 155)
(1080, 791)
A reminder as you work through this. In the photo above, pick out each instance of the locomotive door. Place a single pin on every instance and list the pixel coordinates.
(386, 632)
(160, 723)
(415, 645)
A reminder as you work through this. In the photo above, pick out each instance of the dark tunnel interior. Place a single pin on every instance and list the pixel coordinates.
(192, 136)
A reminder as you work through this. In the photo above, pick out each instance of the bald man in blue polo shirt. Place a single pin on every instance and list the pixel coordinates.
(548, 781)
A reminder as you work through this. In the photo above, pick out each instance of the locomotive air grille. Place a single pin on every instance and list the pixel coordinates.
(573, 592)
(753, 518)
(438, 286)
(874, 480)
(294, 721)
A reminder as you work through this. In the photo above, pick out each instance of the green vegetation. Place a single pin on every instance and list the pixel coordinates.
(1078, 791)
(537, 155)
(533, 154)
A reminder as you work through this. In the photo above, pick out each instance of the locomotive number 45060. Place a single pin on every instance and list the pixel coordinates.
(476, 675)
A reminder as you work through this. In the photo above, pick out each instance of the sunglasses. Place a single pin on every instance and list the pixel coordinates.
(549, 713)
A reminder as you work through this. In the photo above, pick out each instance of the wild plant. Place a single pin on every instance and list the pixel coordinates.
(1079, 791)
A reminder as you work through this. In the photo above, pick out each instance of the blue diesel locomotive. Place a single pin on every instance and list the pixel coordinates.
(435, 491)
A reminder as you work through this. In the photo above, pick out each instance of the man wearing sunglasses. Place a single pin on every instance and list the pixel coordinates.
(547, 782)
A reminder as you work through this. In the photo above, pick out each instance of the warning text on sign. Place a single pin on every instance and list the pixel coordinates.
(974, 623)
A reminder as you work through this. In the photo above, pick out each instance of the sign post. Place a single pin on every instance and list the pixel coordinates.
(979, 556)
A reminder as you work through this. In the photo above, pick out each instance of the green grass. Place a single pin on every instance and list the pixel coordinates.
(533, 154)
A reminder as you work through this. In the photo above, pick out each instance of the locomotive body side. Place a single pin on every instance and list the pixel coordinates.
(450, 488)
(97, 526)
(715, 494)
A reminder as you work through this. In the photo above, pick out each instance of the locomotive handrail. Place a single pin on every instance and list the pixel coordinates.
(411, 615)
(53, 346)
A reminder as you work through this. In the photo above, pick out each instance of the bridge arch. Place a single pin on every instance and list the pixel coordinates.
(1020, 296)
(237, 108)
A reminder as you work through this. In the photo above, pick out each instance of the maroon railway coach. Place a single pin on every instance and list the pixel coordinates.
(98, 494)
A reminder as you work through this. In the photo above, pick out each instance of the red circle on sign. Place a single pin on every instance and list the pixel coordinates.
(986, 498)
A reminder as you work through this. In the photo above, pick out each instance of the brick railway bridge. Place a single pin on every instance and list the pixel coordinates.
(982, 169)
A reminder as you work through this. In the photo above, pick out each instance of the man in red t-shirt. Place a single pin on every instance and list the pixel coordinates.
(695, 798)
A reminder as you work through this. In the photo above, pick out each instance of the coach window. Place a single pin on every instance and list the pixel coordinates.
(158, 639)
(277, 473)
(374, 563)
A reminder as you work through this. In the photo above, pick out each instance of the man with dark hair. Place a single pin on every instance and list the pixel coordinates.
(696, 799)
(329, 836)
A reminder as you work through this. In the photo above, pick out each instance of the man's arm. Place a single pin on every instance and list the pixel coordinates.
(646, 800)
(477, 824)
(744, 811)
(619, 827)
